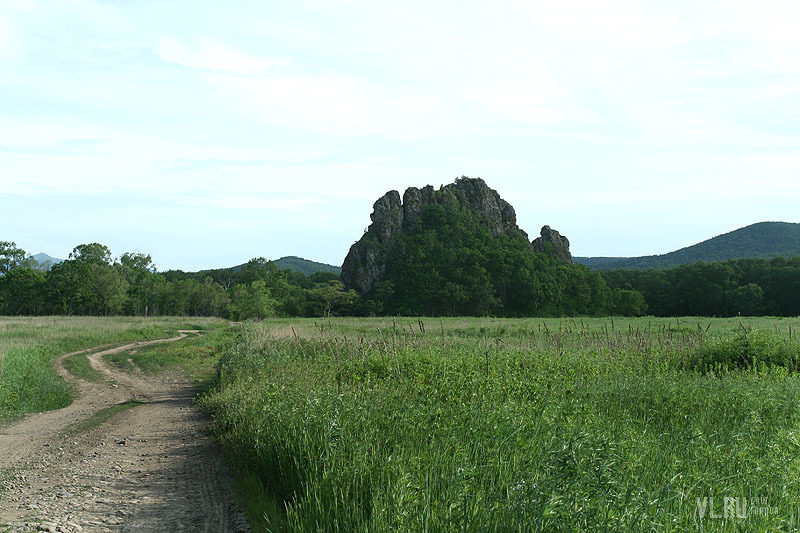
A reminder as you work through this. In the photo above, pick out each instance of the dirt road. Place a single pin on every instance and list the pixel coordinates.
(151, 468)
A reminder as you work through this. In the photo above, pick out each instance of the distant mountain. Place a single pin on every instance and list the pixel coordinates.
(305, 266)
(45, 261)
(761, 240)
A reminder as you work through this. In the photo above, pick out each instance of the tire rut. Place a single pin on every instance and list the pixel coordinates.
(152, 468)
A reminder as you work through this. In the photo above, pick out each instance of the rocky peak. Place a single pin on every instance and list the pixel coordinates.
(495, 211)
(414, 202)
(553, 244)
(365, 263)
(387, 217)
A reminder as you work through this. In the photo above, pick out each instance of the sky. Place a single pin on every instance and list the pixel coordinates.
(206, 133)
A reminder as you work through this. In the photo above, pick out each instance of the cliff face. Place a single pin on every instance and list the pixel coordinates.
(365, 263)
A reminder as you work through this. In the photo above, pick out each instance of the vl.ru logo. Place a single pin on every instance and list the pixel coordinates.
(731, 508)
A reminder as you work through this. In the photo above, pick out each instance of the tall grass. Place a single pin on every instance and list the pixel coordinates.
(28, 346)
(479, 425)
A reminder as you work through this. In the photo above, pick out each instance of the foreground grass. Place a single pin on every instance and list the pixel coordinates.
(480, 425)
(28, 346)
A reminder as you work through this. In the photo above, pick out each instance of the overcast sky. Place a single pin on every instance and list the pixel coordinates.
(208, 133)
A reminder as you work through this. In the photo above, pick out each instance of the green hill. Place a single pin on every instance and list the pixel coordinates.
(293, 263)
(761, 240)
(305, 266)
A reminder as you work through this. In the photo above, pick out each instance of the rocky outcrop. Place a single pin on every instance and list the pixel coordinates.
(414, 202)
(365, 263)
(553, 244)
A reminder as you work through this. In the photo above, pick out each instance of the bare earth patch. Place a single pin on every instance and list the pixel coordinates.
(151, 467)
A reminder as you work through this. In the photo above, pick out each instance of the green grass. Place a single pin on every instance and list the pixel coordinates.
(78, 365)
(28, 346)
(197, 355)
(101, 417)
(509, 425)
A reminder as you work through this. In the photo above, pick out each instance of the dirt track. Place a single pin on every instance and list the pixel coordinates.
(150, 468)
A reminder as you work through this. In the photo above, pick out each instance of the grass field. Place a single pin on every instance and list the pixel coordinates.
(689, 424)
(28, 346)
(514, 425)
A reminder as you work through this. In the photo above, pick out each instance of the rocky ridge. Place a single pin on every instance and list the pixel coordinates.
(366, 261)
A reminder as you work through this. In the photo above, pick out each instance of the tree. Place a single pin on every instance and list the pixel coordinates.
(87, 283)
(136, 265)
(91, 253)
(137, 269)
(10, 256)
(747, 300)
(109, 288)
(626, 302)
(68, 288)
(252, 300)
(331, 297)
(22, 292)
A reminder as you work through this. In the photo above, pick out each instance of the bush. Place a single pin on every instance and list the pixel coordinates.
(746, 350)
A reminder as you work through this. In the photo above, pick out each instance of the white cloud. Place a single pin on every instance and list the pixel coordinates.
(214, 56)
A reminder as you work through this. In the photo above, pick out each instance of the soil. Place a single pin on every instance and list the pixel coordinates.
(151, 468)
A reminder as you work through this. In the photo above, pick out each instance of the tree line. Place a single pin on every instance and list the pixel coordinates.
(450, 267)
(745, 287)
(92, 282)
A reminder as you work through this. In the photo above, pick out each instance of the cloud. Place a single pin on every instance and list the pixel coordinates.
(214, 56)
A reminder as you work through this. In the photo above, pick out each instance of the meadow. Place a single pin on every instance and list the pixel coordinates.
(28, 347)
(469, 424)
(647, 424)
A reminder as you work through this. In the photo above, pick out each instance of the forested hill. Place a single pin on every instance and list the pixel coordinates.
(305, 266)
(762, 240)
(291, 263)
(458, 251)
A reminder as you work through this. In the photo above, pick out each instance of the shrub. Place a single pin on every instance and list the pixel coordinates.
(748, 349)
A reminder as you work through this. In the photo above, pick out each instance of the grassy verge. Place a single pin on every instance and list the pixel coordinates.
(28, 346)
(78, 365)
(586, 427)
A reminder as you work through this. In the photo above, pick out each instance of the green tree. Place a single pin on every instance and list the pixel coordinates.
(10, 256)
(68, 287)
(91, 253)
(626, 302)
(747, 300)
(252, 300)
(22, 292)
(108, 288)
(331, 298)
(137, 269)
(87, 283)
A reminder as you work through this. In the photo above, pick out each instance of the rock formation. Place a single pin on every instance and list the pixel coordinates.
(365, 263)
(553, 244)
